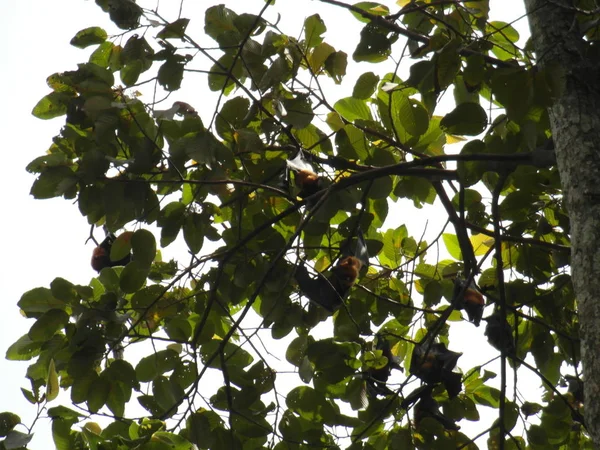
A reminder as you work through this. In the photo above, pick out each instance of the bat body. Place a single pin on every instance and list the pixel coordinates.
(434, 364)
(330, 292)
(307, 181)
(472, 300)
(499, 334)
(101, 255)
(376, 379)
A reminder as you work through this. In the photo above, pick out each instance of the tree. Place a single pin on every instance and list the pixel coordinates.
(283, 200)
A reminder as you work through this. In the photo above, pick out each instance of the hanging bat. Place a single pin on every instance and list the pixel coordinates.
(433, 363)
(307, 181)
(101, 254)
(575, 388)
(376, 379)
(575, 397)
(330, 292)
(499, 334)
(471, 301)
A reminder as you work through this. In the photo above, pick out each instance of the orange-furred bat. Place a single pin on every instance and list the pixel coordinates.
(434, 364)
(376, 379)
(307, 181)
(471, 301)
(101, 254)
(428, 407)
(499, 334)
(330, 292)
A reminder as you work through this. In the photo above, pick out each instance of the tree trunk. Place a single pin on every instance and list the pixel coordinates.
(575, 122)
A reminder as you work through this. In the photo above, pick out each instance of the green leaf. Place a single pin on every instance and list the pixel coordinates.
(131, 72)
(314, 27)
(133, 276)
(318, 56)
(52, 105)
(64, 413)
(156, 364)
(310, 405)
(193, 233)
(299, 111)
(171, 440)
(452, 246)
(351, 108)
(218, 24)
(233, 354)
(53, 182)
(171, 220)
(102, 56)
(48, 324)
(8, 421)
(373, 8)
(224, 72)
(419, 190)
(179, 329)
(52, 388)
(365, 86)
(335, 65)
(374, 45)
(488, 396)
(174, 30)
(143, 245)
(16, 439)
(170, 74)
(98, 394)
(38, 301)
(118, 395)
(408, 115)
(82, 385)
(536, 435)
(23, 350)
(167, 393)
(466, 119)
(64, 290)
(89, 36)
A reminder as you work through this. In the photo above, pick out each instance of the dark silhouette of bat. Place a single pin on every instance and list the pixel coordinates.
(330, 292)
(376, 379)
(101, 254)
(499, 334)
(575, 397)
(471, 301)
(433, 363)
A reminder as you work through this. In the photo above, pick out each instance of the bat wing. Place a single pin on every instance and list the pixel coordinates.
(361, 251)
(318, 290)
(298, 163)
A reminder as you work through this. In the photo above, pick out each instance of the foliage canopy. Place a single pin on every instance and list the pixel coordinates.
(239, 355)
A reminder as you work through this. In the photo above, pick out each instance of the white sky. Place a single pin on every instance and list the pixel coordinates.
(45, 239)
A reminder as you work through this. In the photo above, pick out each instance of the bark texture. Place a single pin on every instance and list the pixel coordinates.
(575, 122)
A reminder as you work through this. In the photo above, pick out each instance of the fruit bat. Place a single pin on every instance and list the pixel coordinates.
(433, 363)
(307, 181)
(471, 301)
(428, 407)
(575, 397)
(376, 379)
(330, 292)
(101, 254)
(575, 388)
(499, 334)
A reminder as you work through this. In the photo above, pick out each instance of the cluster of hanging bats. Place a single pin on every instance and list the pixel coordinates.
(431, 362)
